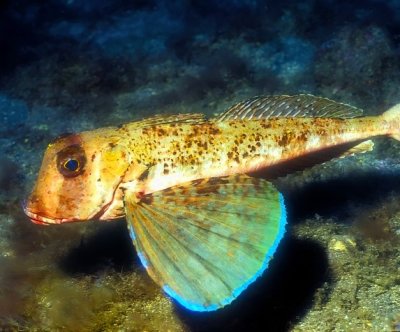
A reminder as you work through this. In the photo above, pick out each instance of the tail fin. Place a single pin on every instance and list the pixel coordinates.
(392, 116)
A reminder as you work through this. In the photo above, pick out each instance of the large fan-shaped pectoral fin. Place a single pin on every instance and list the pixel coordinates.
(205, 241)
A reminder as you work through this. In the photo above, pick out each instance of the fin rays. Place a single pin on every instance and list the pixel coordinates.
(195, 233)
(206, 240)
(153, 231)
(303, 105)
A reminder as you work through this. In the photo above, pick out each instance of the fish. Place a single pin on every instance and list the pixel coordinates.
(203, 222)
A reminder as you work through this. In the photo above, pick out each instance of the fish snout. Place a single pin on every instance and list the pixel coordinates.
(28, 206)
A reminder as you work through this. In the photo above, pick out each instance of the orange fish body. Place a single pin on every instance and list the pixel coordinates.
(114, 172)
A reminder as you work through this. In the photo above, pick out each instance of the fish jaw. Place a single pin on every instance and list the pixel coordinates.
(42, 220)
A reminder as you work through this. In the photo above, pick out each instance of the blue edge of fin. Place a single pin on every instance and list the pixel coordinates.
(237, 291)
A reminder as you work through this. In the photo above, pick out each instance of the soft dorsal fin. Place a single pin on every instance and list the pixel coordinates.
(289, 106)
(161, 119)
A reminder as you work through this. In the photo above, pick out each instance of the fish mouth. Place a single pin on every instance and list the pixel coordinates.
(43, 220)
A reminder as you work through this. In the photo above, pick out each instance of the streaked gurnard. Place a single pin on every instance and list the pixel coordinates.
(203, 226)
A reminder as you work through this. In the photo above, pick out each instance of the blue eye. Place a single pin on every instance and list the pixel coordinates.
(71, 165)
(71, 161)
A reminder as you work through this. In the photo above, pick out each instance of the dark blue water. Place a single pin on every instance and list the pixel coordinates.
(68, 66)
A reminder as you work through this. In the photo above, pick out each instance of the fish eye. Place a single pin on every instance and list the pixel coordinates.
(71, 165)
(71, 161)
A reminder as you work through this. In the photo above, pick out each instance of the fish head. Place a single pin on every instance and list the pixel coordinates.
(78, 179)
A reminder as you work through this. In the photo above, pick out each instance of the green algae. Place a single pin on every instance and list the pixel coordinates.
(105, 303)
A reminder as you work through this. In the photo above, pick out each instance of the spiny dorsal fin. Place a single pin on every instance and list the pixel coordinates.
(289, 106)
(169, 119)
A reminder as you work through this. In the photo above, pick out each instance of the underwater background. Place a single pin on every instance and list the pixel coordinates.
(68, 66)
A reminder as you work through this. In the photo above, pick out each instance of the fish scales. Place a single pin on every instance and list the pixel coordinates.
(210, 149)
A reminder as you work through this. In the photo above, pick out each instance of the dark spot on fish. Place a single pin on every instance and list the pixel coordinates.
(302, 137)
(217, 181)
(112, 145)
(146, 199)
(283, 140)
(204, 190)
(166, 170)
(265, 125)
(144, 175)
(93, 156)
(245, 155)
(161, 132)
(214, 131)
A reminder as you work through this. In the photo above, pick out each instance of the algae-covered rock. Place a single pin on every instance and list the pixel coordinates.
(364, 294)
(114, 301)
(53, 294)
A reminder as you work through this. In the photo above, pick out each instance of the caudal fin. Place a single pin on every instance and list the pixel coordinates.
(392, 116)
